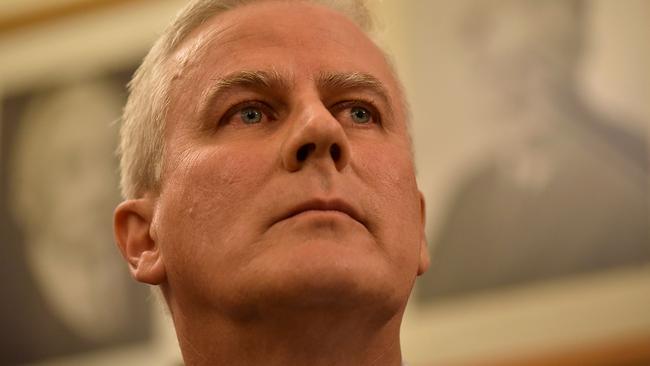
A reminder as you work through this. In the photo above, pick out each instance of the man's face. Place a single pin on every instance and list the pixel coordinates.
(288, 177)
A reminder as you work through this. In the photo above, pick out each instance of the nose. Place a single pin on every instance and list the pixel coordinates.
(317, 137)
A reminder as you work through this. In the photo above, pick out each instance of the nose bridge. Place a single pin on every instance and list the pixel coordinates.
(315, 136)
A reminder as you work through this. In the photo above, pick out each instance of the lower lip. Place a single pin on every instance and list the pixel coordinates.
(321, 213)
(321, 217)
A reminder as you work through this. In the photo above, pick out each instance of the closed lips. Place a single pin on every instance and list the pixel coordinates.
(323, 205)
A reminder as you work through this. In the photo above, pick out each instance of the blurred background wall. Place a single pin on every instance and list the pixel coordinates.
(530, 123)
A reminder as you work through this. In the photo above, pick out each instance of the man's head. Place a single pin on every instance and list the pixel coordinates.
(285, 182)
(144, 119)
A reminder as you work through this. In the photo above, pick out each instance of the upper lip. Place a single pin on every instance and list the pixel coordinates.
(325, 205)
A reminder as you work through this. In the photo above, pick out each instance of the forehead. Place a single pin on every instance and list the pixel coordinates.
(297, 38)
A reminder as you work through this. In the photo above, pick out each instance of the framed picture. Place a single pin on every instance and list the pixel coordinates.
(563, 191)
(70, 291)
(66, 290)
(532, 151)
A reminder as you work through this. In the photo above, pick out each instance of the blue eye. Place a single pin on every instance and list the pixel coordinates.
(250, 115)
(360, 115)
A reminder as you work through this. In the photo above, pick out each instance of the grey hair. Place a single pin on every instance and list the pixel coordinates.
(141, 148)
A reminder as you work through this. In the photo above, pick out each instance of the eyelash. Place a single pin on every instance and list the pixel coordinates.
(334, 110)
(368, 105)
(237, 108)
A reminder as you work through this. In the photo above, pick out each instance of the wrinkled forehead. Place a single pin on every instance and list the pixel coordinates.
(268, 20)
(319, 36)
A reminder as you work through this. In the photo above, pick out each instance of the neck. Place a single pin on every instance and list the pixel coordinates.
(290, 337)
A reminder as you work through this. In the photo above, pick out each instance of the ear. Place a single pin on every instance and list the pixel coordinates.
(132, 226)
(424, 262)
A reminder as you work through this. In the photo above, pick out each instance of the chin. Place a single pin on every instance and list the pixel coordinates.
(332, 279)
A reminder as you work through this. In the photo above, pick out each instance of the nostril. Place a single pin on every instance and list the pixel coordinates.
(335, 152)
(304, 151)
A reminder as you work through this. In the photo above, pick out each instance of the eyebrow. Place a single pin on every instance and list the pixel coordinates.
(352, 81)
(256, 79)
(240, 80)
(273, 80)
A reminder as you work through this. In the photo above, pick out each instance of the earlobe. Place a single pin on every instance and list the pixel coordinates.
(424, 261)
(132, 223)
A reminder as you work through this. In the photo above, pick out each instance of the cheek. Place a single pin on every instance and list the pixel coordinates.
(394, 209)
(394, 199)
(389, 170)
(200, 207)
(208, 182)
